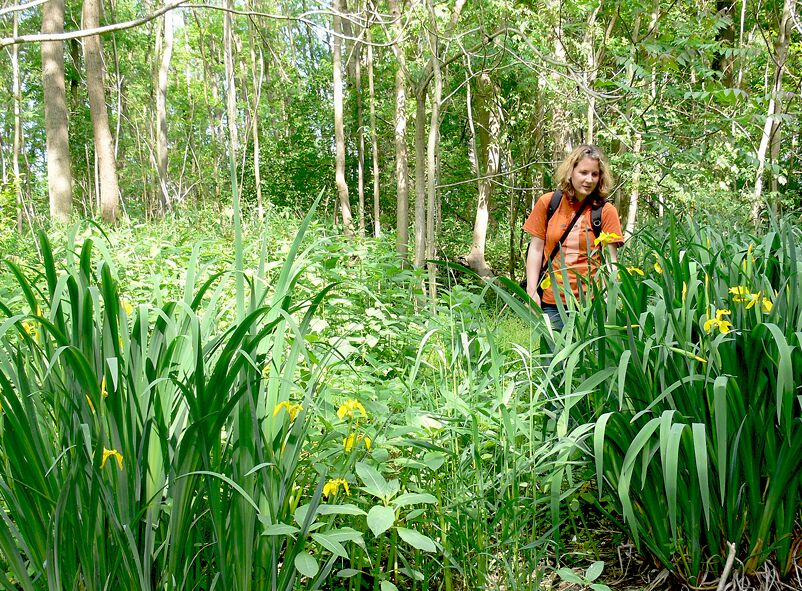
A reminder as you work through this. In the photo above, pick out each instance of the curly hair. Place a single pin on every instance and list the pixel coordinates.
(567, 166)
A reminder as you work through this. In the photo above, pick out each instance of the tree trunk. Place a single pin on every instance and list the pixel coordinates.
(775, 104)
(374, 140)
(560, 123)
(433, 153)
(257, 94)
(339, 130)
(420, 179)
(360, 123)
(104, 142)
(161, 110)
(401, 163)
(17, 125)
(488, 157)
(59, 176)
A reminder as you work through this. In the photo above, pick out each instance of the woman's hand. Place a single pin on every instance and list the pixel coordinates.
(534, 260)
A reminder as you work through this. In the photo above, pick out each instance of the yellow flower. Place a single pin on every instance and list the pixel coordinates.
(767, 305)
(126, 305)
(111, 453)
(740, 294)
(89, 402)
(635, 271)
(29, 326)
(546, 283)
(292, 409)
(348, 442)
(658, 268)
(103, 391)
(700, 359)
(333, 486)
(724, 326)
(606, 238)
(348, 407)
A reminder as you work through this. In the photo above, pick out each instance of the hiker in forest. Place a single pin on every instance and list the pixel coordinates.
(569, 229)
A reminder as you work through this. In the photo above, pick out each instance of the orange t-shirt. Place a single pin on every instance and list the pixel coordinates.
(581, 257)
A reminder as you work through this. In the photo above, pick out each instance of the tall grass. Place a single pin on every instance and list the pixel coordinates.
(141, 447)
(688, 369)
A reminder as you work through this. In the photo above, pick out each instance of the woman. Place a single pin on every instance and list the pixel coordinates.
(585, 181)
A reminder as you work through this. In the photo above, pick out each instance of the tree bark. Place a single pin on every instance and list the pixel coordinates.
(257, 94)
(420, 180)
(771, 126)
(104, 142)
(59, 175)
(339, 131)
(17, 126)
(360, 123)
(161, 110)
(433, 153)
(374, 140)
(401, 163)
(488, 157)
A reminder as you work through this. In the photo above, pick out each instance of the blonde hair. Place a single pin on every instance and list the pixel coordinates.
(567, 166)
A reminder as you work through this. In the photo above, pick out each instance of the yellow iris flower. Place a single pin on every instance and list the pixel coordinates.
(333, 486)
(546, 283)
(719, 322)
(606, 238)
(292, 409)
(348, 442)
(635, 271)
(348, 408)
(29, 326)
(111, 453)
(126, 305)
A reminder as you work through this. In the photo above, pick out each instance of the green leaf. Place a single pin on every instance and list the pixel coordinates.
(414, 499)
(330, 544)
(306, 565)
(345, 509)
(569, 576)
(347, 573)
(380, 519)
(594, 570)
(280, 529)
(416, 539)
(388, 586)
(375, 484)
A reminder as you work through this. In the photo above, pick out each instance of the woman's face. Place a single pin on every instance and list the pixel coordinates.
(585, 177)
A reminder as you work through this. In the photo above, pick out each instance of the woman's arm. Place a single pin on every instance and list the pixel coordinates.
(534, 261)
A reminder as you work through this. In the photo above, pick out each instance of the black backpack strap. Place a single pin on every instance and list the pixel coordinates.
(596, 218)
(553, 205)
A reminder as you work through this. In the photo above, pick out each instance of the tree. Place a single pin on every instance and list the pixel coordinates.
(161, 108)
(104, 143)
(400, 133)
(488, 159)
(339, 129)
(59, 174)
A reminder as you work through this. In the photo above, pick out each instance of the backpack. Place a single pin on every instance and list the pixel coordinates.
(556, 198)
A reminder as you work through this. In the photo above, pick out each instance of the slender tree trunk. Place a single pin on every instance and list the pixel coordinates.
(257, 94)
(360, 123)
(161, 110)
(775, 105)
(59, 175)
(433, 153)
(17, 125)
(562, 130)
(401, 163)
(104, 142)
(339, 130)
(374, 140)
(420, 179)
(488, 157)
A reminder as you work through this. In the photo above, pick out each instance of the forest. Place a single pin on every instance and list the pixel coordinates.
(261, 316)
